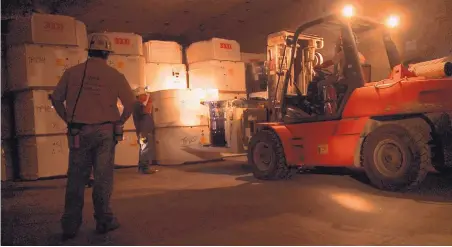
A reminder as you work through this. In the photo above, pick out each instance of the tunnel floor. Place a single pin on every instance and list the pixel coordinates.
(222, 204)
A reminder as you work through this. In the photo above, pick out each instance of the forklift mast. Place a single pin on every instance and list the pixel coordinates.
(279, 55)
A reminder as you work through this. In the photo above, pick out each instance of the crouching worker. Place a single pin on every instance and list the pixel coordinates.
(142, 118)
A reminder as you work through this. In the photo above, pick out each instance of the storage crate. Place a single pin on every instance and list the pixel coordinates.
(214, 49)
(156, 51)
(33, 65)
(161, 76)
(221, 75)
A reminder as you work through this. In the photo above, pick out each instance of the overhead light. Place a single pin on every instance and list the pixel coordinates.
(348, 11)
(393, 21)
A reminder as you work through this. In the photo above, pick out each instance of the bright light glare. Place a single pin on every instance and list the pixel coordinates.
(353, 202)
(348, 11)
(209, 94)
(393, 21)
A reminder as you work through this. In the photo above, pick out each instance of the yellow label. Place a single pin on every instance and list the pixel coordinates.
(322, 149)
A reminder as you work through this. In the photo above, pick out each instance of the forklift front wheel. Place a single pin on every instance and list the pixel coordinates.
(394, 158)
(266, 156)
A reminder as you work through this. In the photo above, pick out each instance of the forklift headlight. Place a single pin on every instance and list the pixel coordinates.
(348, 11)
(393, 21)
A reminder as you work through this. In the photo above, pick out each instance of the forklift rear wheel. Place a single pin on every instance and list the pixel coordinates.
(442, 158)
(266, 156)
(395, 158)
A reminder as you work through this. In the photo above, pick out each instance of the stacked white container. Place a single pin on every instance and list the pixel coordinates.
(181, 126)
(40, 48)
(180, 121)
(216, 64)
(164, 68)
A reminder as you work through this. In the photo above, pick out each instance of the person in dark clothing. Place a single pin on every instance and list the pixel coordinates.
(144, 125)
(85, 98)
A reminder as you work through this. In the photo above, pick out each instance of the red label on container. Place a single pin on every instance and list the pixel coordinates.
(122, 41)
(53, 26)
(225, 46)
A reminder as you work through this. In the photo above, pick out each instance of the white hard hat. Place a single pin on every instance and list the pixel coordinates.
(139, 91)
(100, 42)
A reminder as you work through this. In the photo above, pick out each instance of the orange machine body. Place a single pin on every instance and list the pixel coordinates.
(338, 142)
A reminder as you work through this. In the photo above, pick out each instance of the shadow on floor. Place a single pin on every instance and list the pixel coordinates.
(233, 168)
(435, 188)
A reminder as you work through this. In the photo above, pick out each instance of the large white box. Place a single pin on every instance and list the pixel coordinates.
(222, 75)
(179, 107)
(35, 115)
(180, 145)
(43, 156)
(82, 35)
(131, 66)
(253, 57)
(43, 29)
(214, 49)
(7, 119)
(163, 76)
(40, 65)
(123, 43)
(156, 51)
(127, 151)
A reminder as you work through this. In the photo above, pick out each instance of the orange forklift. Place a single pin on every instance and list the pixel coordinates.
(396, 129)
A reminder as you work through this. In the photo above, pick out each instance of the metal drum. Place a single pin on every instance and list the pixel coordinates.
(217, 124)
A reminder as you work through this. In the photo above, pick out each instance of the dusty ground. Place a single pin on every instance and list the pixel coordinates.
(222, 204)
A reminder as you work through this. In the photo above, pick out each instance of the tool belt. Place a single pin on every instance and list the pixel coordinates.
(74, 130)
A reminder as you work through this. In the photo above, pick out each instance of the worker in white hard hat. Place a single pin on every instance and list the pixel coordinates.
(90, 92)
(142, 118)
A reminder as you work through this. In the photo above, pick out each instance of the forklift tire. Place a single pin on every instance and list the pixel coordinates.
(266, 156)
(442, 150)
(396, 157)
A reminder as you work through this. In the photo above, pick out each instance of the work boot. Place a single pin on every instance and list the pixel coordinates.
(68, 236)
(70, 230)
(102, 228)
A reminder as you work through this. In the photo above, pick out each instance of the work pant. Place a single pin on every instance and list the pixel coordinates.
(97, 148)
(146, 155)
